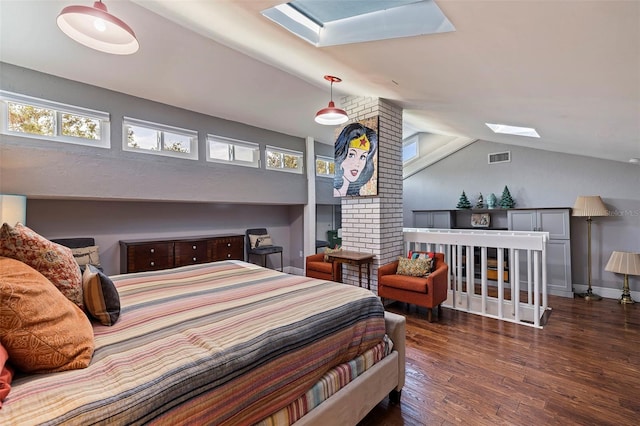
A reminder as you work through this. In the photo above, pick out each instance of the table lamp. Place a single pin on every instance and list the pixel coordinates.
(624, 263)
(13, 209)
(589, 206)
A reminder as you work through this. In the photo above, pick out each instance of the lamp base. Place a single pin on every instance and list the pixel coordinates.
(589, 296)
(626, 299)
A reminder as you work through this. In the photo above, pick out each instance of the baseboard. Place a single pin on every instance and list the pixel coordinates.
(606, 292)
(293, 270)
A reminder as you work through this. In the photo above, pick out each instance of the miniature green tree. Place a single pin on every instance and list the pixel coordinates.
(506, 202)
(463, 202)
(480, 203)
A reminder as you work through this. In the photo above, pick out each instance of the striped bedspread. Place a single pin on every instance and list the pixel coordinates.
(219, 343)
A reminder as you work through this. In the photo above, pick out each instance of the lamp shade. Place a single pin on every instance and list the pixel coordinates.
(13, 209)
(624, 263)
(589, 205)
(96, 28)
(331, 115)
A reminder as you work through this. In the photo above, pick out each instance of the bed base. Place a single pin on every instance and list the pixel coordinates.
(353, 402)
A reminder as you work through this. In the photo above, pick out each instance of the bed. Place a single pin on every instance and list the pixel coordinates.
(227, 343)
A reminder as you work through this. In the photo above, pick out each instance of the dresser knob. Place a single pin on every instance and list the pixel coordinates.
(194, 247)
(194, 259)
(153, 263)
(152, 250)
(229, 255)
(228, 244)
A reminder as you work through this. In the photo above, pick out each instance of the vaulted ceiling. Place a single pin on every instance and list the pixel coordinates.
(570, 69)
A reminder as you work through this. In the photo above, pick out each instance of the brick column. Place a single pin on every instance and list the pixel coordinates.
(373, 224)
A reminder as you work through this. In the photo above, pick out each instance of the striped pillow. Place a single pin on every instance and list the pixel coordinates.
(101, 298)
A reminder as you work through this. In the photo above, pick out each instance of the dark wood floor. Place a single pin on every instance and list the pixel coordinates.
(582, 368)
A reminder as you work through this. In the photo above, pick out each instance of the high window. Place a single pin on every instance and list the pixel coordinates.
(42, 119)
(325, 166)
(159, 139)
(284, 160)
(410, 150)
(232, 151)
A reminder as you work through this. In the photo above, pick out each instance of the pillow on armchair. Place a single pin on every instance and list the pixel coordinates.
(414, 267)
(423, 255)
(330, 250)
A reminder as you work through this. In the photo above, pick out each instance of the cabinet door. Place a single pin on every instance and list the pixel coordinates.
(522, 220)
(559, 268)
(190, 252)
(441, 219)
(555, 222)
(423, 219)
(149, 257)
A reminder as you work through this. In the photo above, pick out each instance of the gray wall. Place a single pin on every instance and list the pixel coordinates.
(542, 179)
(112, 194)
(110, 221)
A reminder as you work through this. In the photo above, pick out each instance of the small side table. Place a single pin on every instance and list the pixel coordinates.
(355, 258)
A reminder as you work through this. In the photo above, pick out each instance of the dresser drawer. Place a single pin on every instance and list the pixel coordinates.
(190, 252)
(149, 257)
(225, 248)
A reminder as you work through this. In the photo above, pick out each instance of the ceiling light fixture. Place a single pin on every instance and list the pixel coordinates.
(331, 116)
(96, 28)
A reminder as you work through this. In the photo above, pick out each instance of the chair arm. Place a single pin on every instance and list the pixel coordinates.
(388, 269)
(437, 281)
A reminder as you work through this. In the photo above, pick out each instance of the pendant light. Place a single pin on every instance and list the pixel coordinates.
(96, 28)
(331, 115)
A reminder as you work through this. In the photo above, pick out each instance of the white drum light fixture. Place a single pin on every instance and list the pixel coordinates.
(96, 28)
(331, 115)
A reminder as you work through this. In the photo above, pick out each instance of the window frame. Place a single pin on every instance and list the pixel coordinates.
(411, 141)
(284, 151)
(59, 109)
(231, 144)
(162, 129)
(327, 160)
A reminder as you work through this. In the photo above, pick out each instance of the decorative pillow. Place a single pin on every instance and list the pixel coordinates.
(414, 267)
(330, 250)
(423, 255)
(41, 329)
(52, 260)
(260, 240)
(86, 256)
(6, 374)
(101, 298)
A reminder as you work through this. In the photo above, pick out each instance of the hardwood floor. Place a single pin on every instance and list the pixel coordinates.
(582, 368)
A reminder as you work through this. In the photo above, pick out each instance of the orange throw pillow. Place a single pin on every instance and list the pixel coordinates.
(40, 328)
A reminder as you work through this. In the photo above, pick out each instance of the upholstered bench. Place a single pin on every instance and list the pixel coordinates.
(428, 292)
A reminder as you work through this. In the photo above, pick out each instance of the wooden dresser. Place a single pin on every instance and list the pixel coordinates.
(150, 255)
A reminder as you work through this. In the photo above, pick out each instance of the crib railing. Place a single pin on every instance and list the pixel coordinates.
(520, 258)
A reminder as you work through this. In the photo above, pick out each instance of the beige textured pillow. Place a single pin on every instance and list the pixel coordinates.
(40, 328)
(86, 256)
(260, 240)
(52, 260)
(414, 267)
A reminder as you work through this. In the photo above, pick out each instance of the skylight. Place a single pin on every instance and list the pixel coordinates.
(335, 22)
(513, 130)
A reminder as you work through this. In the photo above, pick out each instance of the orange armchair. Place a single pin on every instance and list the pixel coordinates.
(427, 292)
(316, 267)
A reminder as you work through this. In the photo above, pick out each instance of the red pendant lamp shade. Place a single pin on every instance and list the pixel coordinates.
(331, 116)
(96, 28)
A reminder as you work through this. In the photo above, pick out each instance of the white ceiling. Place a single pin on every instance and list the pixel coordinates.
(570, 68)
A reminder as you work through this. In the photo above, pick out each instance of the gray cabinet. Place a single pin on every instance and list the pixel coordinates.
(556, 223)
(432, 219)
